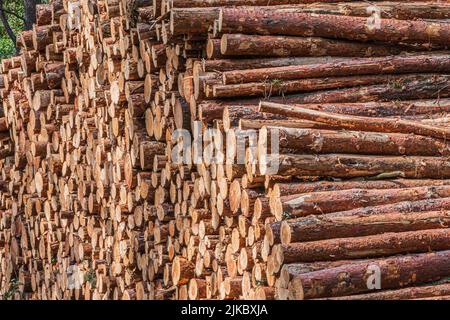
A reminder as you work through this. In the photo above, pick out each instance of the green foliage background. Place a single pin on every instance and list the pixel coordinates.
(6, 45)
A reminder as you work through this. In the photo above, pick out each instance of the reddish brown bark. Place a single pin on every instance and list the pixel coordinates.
(437, 63)
(283, 46)
(351, 142)
(335, 201)
(352, 166)
(358, 123)
(265, 21)
(396, 272)
(277, 87)
(313, 228)
(385, 244)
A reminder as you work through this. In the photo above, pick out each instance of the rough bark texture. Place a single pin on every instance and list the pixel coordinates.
(351, 142)
(265, 21)
(400, 64)
(359, 123)
(313, 228)
(282, 46)
(349, 279)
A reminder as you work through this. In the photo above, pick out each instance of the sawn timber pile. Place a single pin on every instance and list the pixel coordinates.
(94, 203)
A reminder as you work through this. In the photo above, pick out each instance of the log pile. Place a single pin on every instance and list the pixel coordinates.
(101, 103)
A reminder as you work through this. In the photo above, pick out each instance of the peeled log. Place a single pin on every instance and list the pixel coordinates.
(265, 21)
(284, 46)
(356, 122)
(350, 279)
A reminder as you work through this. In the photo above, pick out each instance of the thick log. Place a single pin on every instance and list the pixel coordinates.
(437, 63)
(223, 3)
(192, 20)
(182, 271)
(314, 228)
(283, 46)
(42, 36)
(350, 142)
(334, 201)
(386, 9)
(277, 87)
(242, 64)
(265, 21)
(352, 166)
(364, 247)
(396, 272)
(290, 188)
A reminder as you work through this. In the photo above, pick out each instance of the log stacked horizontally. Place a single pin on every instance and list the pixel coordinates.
(95, 204)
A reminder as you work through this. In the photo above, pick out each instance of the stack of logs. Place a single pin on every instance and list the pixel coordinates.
(102, 195)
